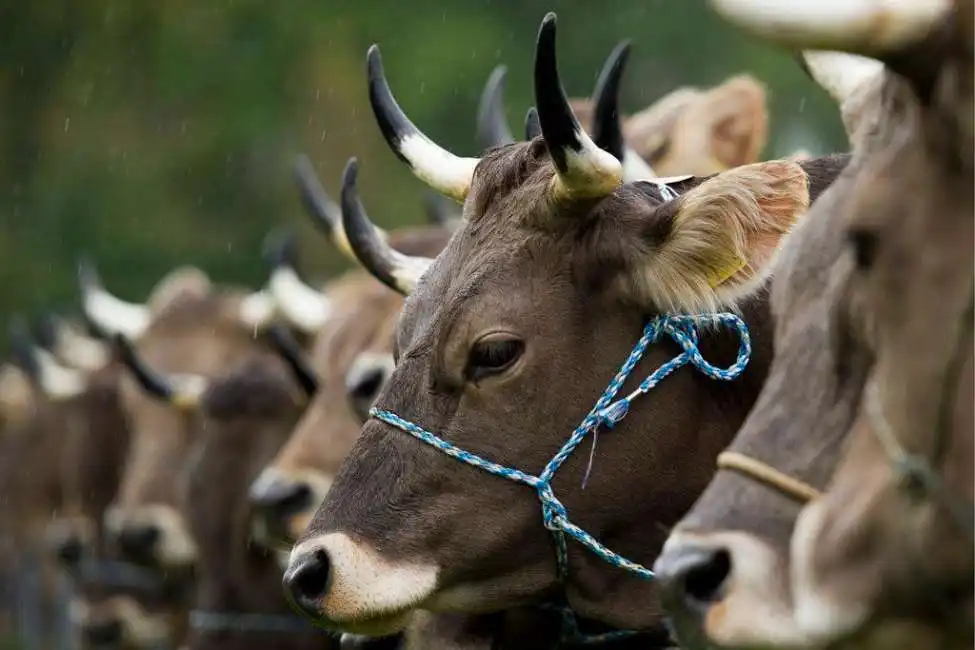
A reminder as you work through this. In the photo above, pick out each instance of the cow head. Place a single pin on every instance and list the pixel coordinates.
(193, 331)
(872, 299)
(505, 343)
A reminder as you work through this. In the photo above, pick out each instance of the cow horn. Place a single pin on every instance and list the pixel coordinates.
(106, 312)
(870, 27)
(434, 165)
(304, 306)
(492, 125)
(69, 345)
(323, 211)
(607, 131)
(532, 128)
(583, 169)
(54, 380)
(397, 271)
(285, 344)
(838, 73)
(181, 391)
(258, 310)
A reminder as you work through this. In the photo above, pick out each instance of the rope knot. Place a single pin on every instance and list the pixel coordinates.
(613, 413)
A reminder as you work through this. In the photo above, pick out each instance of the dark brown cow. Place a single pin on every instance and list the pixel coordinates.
(874, 298)
(248, 414)
(504, 346)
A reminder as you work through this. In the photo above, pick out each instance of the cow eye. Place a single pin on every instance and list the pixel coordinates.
(864, 245)
(493, 355)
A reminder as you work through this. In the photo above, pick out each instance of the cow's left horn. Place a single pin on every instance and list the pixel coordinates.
(584, 170)
(183, 391)
(287, 347)
(434, 165)
(108, 313)
(492, 125)
(607, 131)
(304, 306)
(397, 271)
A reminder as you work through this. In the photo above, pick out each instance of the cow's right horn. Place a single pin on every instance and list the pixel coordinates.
(492, 125)
(397, 271)
(182, 391)
(583, 169)
(304, 306)
(106, 312)
(287, 347)
(431, 163)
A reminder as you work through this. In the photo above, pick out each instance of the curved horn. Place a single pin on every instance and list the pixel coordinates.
(69, 345)
(434, 165)
(108, 313)
(871, 27)
(325, 213)
(492, 125)
(181, 391)
(287, 348)
(607, 130)
(397, 271)
(304, 306)
(532, 127)
(258, 310)
(838, 73)
(56, 381)
(583, 169)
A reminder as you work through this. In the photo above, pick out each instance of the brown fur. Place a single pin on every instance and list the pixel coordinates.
(890, 560)
(515, 267)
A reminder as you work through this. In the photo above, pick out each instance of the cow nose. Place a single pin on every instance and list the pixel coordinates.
(138, 541)
(281, 498)
(693, 577)
(102, 633)
(307, 580)
(69, 550)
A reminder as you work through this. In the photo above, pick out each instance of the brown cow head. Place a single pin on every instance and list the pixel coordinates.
(873, 301)
(191, 332)
(505, 345)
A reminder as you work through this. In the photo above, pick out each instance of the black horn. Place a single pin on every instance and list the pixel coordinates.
(397, 271)
(325, 213)
(22, 348)
(47, 330)
(154, 383)
(532, 128)
(607, 132)
(287, 347)
(492, 125)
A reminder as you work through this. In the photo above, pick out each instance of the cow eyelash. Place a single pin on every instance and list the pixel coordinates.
(492, 357)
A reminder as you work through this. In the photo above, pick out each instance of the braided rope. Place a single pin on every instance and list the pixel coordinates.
(606, 412)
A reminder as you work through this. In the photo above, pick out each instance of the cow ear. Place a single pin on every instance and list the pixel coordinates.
(736, 119)
(717, 241)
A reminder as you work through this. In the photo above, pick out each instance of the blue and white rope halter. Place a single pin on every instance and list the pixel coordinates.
(684, 331)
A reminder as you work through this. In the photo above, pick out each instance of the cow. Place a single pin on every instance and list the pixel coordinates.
(351, 355)
(844, 515)
(688, 131)
(503, 344)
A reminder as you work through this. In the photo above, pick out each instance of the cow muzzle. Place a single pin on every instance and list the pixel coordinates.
(70, 541)
(153, 536)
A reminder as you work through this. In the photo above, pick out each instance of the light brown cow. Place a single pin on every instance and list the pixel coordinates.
(503, 347)
(874, 344)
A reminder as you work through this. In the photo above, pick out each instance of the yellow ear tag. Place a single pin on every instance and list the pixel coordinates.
(184, 401)
(717, 277)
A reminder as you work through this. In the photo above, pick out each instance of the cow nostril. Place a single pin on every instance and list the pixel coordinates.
(104, 633)
(308, 581)
(703, 582)
(138, 542)
(69, 551)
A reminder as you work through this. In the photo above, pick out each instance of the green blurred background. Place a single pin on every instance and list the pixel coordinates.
(155, 133)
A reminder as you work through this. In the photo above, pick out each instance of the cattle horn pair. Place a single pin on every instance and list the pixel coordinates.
(54, 380)
(181, 391)
(304, 306)
(583, 169)
(607, 133)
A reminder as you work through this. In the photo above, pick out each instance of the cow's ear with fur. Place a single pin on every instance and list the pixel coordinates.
(702, 251)
(736, 118)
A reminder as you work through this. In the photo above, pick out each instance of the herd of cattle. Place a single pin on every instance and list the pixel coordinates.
(792, 466)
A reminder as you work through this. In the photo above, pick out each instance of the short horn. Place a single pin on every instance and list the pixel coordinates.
(870, 27)
(583, 169)
(53, 379)
(532, 128)
(182, 392)
(492, 125)
(397, 271)
(443, 171)
(69, 345)
(287, 347)
(304, 306)
(106, 312)
(324, 212)
(607, 130)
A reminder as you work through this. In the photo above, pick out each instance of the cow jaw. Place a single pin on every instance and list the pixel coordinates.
(347, 584)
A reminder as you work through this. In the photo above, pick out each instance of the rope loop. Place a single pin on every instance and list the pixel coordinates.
(607, 412)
